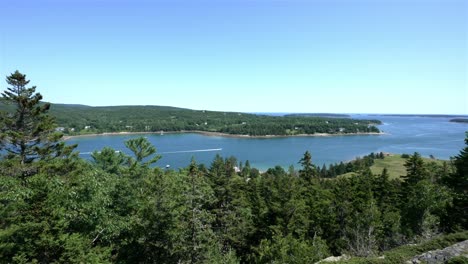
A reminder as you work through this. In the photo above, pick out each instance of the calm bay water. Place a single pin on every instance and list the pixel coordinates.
(426, 135)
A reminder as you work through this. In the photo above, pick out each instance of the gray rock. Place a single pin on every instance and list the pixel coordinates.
(442, 255)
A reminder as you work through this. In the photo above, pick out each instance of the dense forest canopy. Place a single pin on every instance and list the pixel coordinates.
(76, 119)
(58, 208)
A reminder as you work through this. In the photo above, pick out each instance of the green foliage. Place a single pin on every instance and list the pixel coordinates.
(119, 209)
(457, 181)
(287, 249)
(308, 171)
(107, 211)
(36, 226)
(423, 201)
(161, 118)
(355, 166)
(109, 160)
(142, 149)
(415, 170)
(27, 133)
(406, 252)
(196, 237)
(458, 259)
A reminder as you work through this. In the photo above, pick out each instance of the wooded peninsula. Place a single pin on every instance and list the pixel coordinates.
(81, 119)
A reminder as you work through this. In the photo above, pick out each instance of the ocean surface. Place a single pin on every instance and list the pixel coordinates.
(403, 134)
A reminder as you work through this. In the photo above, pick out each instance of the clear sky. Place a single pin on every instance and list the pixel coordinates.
(339, 56)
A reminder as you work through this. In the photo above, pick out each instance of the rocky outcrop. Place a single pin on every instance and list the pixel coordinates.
(334, 259)
(442, 255)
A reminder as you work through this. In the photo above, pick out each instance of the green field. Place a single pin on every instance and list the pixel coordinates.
(395, 165)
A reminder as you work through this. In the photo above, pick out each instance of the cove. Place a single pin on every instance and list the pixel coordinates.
(404, 134)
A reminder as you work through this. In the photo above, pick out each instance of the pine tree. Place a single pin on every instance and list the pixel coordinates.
(199, 236)
(308, 171)
(142, 149)
(323, 171)
(415, 170)
(27, 133)
(458, 183)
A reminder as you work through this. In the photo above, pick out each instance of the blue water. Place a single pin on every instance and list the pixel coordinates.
(427, 135)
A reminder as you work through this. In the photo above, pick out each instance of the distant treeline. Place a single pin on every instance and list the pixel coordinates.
(419, 115)
(80, 119)
(320, 115)
(356, 165)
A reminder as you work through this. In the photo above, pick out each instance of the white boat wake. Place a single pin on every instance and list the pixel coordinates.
(170, 152)
(191, 151)
(89, 153)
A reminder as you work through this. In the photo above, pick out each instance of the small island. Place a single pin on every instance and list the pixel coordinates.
(459, 120)
(82, 120)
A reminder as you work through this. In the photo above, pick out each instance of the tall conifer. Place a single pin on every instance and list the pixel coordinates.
(27, 132)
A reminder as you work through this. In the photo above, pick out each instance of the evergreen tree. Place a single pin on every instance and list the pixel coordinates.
(323, 171)
(423, 205)
(458, 183)
(195, 239)
(27, 134)
(382, 189)
(109, 160)
(308, 171)
(415, 170)
(363, 224)
(245, 171)
(142, 149)
(53, 219)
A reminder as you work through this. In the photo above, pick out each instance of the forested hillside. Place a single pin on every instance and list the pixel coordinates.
(158, 118)
(80, 119)
(58, 208)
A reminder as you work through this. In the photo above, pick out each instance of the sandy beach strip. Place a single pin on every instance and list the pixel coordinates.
(219, 134)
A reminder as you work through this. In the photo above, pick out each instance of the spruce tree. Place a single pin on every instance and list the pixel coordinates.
(27, 132)
(415, 170)
(308, 171)
(458, 183)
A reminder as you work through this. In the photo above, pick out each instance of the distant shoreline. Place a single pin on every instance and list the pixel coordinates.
(219, 134)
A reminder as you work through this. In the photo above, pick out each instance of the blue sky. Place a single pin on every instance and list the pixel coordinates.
(340, 56)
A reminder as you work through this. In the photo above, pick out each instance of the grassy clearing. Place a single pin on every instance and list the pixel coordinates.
(395, 165)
